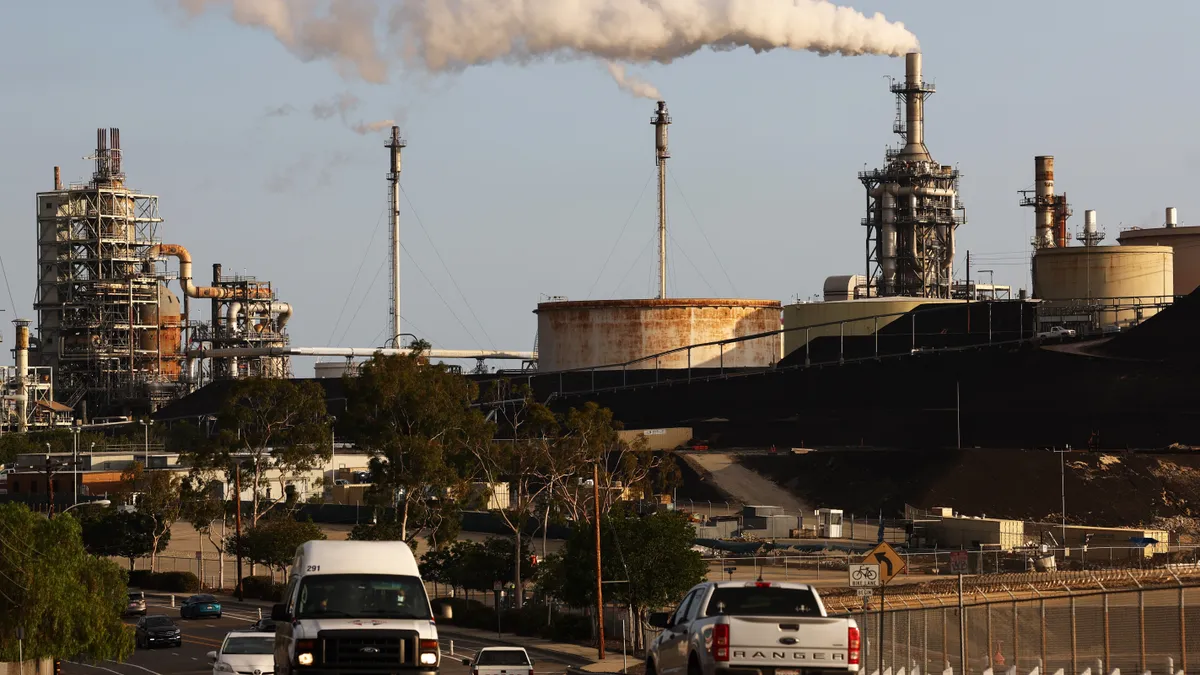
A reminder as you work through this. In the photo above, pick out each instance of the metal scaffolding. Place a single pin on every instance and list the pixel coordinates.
(105, 319)
(248, 317)
(913, 208)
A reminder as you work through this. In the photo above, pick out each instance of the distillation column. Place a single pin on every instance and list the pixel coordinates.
(660, 121)
(1043, 172)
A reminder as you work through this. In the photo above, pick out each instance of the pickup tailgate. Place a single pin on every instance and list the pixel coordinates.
(789, 644)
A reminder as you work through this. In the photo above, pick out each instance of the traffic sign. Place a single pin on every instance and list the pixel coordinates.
(958, 562)
(864, 575)
(865, 593)
(890, 563)
(497, 586)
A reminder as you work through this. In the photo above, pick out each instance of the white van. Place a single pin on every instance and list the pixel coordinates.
(355, 607)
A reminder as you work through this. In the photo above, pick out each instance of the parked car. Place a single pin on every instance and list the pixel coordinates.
(500, 661)
(752, 627)
(198, 606)
(136, 603)
(157, 631)
(264, 626)
(244, 652)
(1056, 333)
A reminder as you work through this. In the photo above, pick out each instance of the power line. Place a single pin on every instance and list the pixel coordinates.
(702, 233)
(635, 262)
(448, 272)
(439, 294)
(687, 258)
(361, 263)
(366, 294)
(622, 234)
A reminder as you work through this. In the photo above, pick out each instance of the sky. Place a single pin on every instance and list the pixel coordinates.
(529, 180)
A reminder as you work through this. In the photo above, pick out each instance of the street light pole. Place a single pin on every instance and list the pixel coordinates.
(75, 467)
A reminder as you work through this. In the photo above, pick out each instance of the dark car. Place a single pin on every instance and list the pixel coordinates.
(197, 606)
(264, 626)
(157, 631)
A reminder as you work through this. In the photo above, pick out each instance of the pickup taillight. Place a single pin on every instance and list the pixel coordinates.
(720, 647)
(855, 643)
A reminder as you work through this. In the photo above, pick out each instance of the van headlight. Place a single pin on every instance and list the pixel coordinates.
(305, 659)
(429, 652)
(428, 659)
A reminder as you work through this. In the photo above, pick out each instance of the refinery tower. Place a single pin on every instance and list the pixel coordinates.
(913, 207)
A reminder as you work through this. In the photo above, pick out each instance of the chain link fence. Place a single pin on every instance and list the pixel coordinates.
(1140, 630)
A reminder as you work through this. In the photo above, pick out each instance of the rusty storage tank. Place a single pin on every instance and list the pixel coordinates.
(1117, 279)
(167, 339)
(607, 333)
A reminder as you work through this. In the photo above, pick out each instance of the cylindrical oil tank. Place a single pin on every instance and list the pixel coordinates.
(607, 333)
(335, 369)
(168, 338)
(810, 320)
(1118, 279)
(1185, 241)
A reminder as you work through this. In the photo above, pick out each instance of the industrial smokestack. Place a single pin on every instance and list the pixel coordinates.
(661, 154)
(1172, 217)
(916, 104)
(57, 178)
(1043, 176)
(22, 354)
(1089, 221)
(395, 144)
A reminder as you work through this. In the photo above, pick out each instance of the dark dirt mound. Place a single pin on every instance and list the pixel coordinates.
(1102, 489)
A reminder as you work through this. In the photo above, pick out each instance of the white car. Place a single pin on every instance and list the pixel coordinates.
(501, 661)
(245, 653)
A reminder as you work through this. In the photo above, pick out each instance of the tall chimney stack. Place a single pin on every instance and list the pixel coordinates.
(660, 121)
(395, 144)
(57, 178)
(1043, 176)
(22, 357)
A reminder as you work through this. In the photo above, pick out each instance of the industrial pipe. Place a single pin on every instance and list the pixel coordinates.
(207, 292)
(22, 375)
(916, 103)
(350, 352)
(888, 232)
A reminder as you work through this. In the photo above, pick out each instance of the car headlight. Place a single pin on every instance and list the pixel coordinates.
(223, 667)
(428, 658)
(305, 659)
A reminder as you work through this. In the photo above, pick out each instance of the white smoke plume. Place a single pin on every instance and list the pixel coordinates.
(364, 128)
(340, 105)
(449, 35)
(631, 83)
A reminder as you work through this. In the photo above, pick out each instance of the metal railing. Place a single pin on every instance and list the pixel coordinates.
(1025, 333)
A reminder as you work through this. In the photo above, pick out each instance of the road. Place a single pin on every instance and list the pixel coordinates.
(201, 636)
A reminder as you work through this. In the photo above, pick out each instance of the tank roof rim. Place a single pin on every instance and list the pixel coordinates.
(657, 303)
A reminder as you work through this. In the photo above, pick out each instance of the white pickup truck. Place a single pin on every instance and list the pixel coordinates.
(1056, 333)
(752, 628)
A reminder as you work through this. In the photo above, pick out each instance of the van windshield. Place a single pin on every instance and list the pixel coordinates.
(359, 596)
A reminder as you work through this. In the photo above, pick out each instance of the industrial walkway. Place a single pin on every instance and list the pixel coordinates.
(743, 484)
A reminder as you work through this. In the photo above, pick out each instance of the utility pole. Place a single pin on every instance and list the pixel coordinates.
(599, 578)
(237, 519)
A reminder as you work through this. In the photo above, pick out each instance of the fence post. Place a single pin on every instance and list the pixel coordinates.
(892, 640)
(1142, 629)
(1182, 629)
(1016, 643)
(1107, 642)
(989, 652)
(924, 640)
(945, 637)
(1074, 641)
(908, 660)
(1042, 631)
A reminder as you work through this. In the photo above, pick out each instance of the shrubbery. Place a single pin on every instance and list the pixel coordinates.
(262, 588)
(530, 621)
(171, 582)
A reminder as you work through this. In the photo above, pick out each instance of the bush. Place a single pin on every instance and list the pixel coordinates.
(141, 579)
(569, 628)
(176, 582)
(467, 613)
(262, 588)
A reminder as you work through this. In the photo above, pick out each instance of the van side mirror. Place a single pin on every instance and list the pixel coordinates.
(279, 612)
(445, 612)
(660, 620)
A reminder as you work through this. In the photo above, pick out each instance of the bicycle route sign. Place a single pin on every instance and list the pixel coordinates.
(864, 575)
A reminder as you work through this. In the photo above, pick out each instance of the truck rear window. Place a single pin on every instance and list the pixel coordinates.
(770, 601)
(502, 657)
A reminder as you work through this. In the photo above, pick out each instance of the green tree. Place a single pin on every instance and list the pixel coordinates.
(121, 534)
(653, 555)
(68, 602)
(263, 424)
(273, 542)
(417, 421)
(157, 495)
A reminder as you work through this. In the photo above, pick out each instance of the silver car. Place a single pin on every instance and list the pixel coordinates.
(135, 604)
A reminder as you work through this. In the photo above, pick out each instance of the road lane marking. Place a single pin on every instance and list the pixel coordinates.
(88, 665)
(134, 665)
